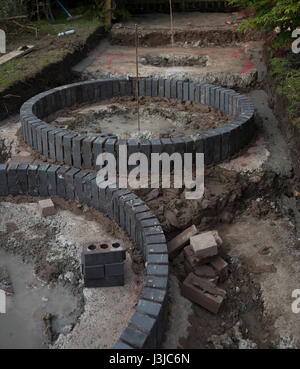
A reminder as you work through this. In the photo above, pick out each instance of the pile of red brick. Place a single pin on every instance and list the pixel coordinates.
(204, 266)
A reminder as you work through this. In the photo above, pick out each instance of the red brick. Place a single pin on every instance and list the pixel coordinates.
(204, 245)
(178, 243)
(46, 207)
(193, 291)
(221, 267)
(193, 259)
(217, 238)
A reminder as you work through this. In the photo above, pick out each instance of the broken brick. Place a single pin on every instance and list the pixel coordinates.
(178, 243)
(46, 207)
(221, 267)
(193, 259)
(192, 290)
(204, 245)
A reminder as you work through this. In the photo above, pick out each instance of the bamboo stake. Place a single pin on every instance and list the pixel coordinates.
(108, 14)
(38, 11)
(137, 76)
(172, 24)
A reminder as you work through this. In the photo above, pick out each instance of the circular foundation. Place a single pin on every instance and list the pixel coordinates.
(81, 150)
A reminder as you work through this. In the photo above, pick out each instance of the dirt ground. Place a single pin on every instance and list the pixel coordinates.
(53, 246)
(229, 66)
(209, 28)
(159, 118)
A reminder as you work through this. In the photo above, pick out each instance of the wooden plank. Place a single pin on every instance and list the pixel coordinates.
(16, 53)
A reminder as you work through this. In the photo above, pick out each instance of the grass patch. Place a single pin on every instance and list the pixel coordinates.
(49, 48)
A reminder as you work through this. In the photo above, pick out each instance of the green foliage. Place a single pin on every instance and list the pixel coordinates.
(288, 85)
(96, 8)
(271, 14)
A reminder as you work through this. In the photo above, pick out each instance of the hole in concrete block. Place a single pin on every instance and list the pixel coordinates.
(92, 247)
(104, 246)
(116, 245)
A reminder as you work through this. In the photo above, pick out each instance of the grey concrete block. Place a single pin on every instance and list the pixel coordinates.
(61, 185)
(192, 91)
(45, 139)
(142, 87)
(134, 337)
(114, 269)
(98, 148)
(12, 179)
(158, 259)
(87, 188)
(168, 88)
(52, 175)
(157, 269)
(148, 86)
(87, 152)
(70, 183)
(161, 88)
(3, 180)
(59, 145)
(67, 143)
(79, 180)
(77, 150)
(132, 148)
(153, 294)
(95, 194)
(122, 202)
(93, 272)
(33, 182)
(149, 307)
(189, 144)
(173, 89)
(43, 182)
(143, 322)
(180, 90)
(157, 249)
(154, 92)
(156, 282)
(39, 137)
(105, 282)
(51, 138)
(186, 90)
(116, 199)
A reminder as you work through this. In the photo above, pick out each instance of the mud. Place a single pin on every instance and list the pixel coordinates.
(159, 118)
(28, 301)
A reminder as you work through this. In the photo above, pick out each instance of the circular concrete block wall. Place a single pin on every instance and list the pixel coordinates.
(147, 325)
(80, 151)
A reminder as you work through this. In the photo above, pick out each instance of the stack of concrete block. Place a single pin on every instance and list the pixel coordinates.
(103, 263)
(204, 266)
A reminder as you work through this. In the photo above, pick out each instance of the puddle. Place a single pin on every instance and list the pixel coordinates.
(22, 326)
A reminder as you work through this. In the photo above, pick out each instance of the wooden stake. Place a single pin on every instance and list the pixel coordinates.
(108, 14)
(38, 11)
(172, 24)
(137, 76)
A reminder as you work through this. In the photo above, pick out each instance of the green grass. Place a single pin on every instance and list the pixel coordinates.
(49, 47)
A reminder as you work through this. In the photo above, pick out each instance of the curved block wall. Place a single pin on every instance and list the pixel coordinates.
(80, 151)
(147, 325)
